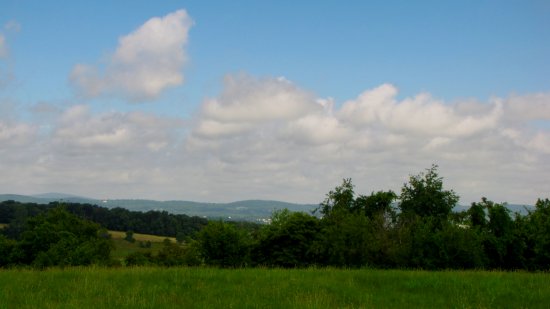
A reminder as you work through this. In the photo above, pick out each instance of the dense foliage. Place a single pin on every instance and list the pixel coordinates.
(58, 238)
(417, 229)
(119, 219)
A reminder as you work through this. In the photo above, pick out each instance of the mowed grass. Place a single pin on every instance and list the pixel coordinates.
(270, 288)
(140, 237)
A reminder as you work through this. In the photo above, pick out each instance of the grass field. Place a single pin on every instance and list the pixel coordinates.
(270, 288)
(140, 237)
(123, 248)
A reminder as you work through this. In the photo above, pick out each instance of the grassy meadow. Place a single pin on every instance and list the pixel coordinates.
(123, 248)
(153, 287)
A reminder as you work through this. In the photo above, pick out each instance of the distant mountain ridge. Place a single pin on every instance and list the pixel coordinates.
(251, 210)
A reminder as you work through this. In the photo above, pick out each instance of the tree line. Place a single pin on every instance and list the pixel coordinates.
(119, 219)
(415, 229)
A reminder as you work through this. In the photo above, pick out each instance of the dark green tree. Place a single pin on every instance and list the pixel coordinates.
(539, 234)
(339, 201)
(376, 204)
(7, 251)
(289, 241)
(478, 213)
(129, 236)
(58, 238)
(425, 196)
(222, 244)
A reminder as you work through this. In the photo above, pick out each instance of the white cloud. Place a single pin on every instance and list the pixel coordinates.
(318, 129)
(247, 101)
(521, 109)
(252, 100)
(15, 133)
(308, 145)
(268, 138)
(421, 115)
(81, 131)
(145, 63)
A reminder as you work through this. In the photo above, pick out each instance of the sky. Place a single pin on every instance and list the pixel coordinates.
(220, 101)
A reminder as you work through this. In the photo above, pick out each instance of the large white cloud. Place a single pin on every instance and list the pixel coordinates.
(15, 133)
(421, 115)
(279, 141)
(246, 102)
(268, 138)
(145, 63)
(120, 133)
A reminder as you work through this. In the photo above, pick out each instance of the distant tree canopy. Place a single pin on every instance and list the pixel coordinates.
(57, 238)
(119, 219)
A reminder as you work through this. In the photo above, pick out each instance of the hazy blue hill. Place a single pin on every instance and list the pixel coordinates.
(241, 210)
(244, 210)
(522, 209)
(47, 198)
(21, 198)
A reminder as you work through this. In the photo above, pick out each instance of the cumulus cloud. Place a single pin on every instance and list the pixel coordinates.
(92, 154)
(145, 63)
(15, 133)
(522, 109)
(247, 101)
(79, 130)
(268, 138)
(421, 115)
(278, 137)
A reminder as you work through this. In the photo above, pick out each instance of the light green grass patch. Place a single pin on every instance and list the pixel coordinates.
(150, 287)
(141, 237)
(123, 248)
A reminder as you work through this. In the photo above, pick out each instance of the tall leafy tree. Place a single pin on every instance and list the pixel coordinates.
(289, 241)
(59, 238)
(339, 201)
(425, 196)
(539, 223)
(222, 244)
(376, 204)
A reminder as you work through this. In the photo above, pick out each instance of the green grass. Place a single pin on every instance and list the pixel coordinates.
(122, 247)
(270, 288)
(141, 237)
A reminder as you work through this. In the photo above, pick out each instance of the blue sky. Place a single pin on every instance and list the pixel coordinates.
(449, 65)
(452, 50)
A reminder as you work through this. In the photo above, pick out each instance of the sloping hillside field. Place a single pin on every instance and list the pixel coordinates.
(270, 288)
